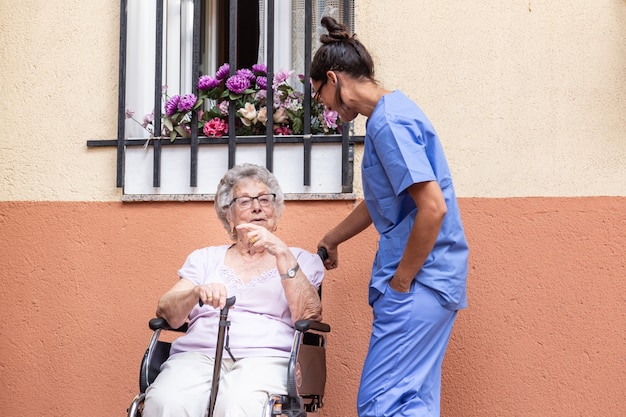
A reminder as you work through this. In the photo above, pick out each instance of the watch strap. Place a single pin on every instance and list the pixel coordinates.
(291, 272)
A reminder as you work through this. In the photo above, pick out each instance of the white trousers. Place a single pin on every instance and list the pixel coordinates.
(183, 387)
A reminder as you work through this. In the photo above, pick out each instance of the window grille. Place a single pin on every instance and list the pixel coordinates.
(305, 31)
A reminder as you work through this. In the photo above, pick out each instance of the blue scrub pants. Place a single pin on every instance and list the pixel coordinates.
(402, 371)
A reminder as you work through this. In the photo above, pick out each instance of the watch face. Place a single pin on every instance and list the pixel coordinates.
(291, 272)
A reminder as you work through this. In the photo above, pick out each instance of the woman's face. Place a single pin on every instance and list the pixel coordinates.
(326, 93)
(258, 210)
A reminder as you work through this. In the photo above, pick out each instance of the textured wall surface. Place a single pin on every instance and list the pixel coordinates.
(528, 98)
(544, 334)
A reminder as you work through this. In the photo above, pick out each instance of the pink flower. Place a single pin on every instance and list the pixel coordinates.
(215, 127)
(282, 130)
(281, 77)
(148, 119)
(330, 118)
(223, 106)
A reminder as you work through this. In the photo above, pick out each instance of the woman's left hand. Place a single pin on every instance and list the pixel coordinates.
(398, 285)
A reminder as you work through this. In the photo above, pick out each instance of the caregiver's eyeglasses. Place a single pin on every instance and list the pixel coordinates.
(316, 96)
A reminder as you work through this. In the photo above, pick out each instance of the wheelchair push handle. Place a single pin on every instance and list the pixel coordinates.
(322, 253)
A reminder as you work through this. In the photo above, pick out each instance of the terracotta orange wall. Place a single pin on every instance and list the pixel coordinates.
(544, 334)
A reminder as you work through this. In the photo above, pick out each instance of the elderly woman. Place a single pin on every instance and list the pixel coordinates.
(275, 286)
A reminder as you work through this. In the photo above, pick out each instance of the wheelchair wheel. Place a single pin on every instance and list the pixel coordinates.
(136, 407)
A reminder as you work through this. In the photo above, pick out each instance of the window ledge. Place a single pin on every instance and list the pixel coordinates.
(138, 198)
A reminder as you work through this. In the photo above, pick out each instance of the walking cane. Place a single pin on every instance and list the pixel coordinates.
(219, 348)
(217, 365)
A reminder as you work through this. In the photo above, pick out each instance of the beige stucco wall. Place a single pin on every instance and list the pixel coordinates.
(529, 97)
(58, 73)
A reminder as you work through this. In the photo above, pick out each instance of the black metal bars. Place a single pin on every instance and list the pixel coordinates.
(195, 141)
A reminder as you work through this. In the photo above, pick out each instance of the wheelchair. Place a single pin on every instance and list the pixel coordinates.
(306, 375)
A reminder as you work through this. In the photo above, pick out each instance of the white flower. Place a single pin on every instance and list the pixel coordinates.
(249, 113)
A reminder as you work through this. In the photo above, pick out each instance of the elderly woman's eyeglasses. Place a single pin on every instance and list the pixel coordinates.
(245, 202)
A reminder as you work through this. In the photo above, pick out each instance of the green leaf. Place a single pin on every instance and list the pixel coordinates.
(181, 131)
(297, 126)
(214, 112)
(198, 104)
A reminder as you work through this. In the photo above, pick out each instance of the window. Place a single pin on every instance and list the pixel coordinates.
(196, 37)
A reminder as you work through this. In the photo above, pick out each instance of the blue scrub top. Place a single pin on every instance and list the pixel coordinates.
(401, 149)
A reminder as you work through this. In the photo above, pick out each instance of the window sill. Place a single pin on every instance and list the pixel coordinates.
(139, 198)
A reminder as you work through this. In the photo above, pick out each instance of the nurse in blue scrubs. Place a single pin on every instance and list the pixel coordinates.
(418, 280)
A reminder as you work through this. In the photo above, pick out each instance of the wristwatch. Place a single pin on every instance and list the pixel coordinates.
(291, 272)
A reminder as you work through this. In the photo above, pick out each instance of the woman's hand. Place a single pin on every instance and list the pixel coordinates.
(400, 286)
(332, 260)
(260, 239)
(213, 294)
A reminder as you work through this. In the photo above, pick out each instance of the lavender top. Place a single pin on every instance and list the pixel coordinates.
(260, 320)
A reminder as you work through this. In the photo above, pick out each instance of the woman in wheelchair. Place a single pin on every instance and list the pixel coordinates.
(275, 285)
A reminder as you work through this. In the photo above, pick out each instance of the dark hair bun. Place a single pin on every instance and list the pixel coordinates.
(337, 32)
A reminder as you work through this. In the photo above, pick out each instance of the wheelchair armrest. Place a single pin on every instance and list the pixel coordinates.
(306, 325)
(159, 323)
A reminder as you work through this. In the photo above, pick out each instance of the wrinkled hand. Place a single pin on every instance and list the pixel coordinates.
(213, 294)
(260, 239)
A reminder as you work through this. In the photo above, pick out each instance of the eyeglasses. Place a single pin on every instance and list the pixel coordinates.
(316, 96)
(245, 202)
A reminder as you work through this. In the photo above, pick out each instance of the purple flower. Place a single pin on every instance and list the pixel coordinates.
(245, 72)
(237, 84)
(130, 113)
(260, 69)
(187, 102)
(172, 105)
(207, 82)
(261, 95)
(261, 81)
(222, 72)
